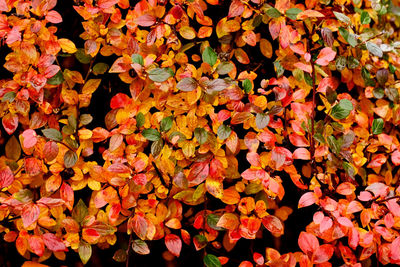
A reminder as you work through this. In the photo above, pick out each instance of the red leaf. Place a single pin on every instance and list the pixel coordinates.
(10, 123)
(258, 258)
(53, 17)
(236, 9)
(6, 177)
(146, 20)
(119, 100)
(176, 11)
(273, 224)
(323, 253)
(53, 243)
(30, 214)
(325, 56)
(307, 199)
(113, 214)
(36, 244)
(173, 244)
(308, 242)
(29, 138)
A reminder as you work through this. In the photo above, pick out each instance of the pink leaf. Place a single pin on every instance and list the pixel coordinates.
(323, 253)
(173, 244)
(6, 177)
(325, 56)
(146, 20)
(30, 138)
(53, 243)
(54, 17)
(308, 242)
(30, 214)
(345, 221)
(301, 153)
(307, 199)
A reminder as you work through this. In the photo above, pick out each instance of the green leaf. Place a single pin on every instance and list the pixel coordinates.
(374, 49)
(151, 134)
(212, 220)
(224, 131)
(293, 12)
(342, 17)
(247, 86)
(187, 84)
(352, 62)
(52, 134)
(308, 79)
(80, 211)
(224, 68)
(140, 120)
(365, 18)
(82, 57)
(378, 92)
(85, 119)
(340, 63)
(273, 13)
(278, 68)
(201, 135)
(9, 96)
(342, 110)
(199, 192)
(166, 124)
(349, 37)
(13, 148)
(262, 120)
(211, 261)
(334, 144)
(209, 56)
(70, 159)
(85, 252)
(100, 68)
(392, 93)
(56, 79)
(136, 58)
(160, 74)
(156, 147)
(72, 122)
(377, 126)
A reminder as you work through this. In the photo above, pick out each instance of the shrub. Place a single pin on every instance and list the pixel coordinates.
(201, 123)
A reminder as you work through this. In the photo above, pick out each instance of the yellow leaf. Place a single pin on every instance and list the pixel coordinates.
(91, 86)
(67, 46)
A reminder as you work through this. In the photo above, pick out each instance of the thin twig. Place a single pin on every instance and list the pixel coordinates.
(129, 250)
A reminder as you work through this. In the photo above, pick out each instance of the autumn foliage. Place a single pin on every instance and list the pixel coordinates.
(202, 124)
